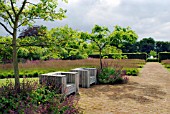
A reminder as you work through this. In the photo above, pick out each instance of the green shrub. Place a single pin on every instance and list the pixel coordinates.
(105, 57)
(112, 75)
(21, 74)
(35, 99)
(132, 71)
(2, 76)
(35, 73)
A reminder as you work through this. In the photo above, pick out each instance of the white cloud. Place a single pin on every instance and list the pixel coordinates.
(147, 17)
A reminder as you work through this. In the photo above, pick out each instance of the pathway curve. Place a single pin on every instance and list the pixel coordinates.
(148, 93)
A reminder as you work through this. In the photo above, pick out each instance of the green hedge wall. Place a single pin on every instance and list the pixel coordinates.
(129, 55)
(152, 60)
(164, 56)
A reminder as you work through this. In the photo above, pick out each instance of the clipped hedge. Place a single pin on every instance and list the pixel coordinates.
(164, 56)
(152, 60)
(29, 74)
(129, 55)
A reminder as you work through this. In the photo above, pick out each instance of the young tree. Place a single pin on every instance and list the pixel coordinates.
(100, 37)
(16, 13)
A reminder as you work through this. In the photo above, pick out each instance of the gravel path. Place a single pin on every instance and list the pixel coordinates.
(148, 93)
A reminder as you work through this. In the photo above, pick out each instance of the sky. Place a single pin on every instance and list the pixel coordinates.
(148, 18)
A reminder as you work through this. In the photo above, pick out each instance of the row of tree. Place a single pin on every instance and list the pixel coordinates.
(65, 43)
(146, 45)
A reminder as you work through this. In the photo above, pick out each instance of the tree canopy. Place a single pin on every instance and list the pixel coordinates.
(16, 13)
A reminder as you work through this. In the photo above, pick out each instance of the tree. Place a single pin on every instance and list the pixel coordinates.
(68, 43)
(99, 36)
(162, 46)
(153, 53)
(5, 49)
(16, 13)
(146, 45)
(35, 31)
(121, 36)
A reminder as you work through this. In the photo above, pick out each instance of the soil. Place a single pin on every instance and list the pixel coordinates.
(148, 93)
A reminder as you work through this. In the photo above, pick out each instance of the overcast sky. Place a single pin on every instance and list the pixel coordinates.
(148, 18)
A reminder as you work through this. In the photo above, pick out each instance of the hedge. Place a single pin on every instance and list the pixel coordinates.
(152, 60)
(129, 55)
(164, 56)
(29, 74)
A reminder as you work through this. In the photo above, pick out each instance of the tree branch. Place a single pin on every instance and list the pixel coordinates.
(22, 7)
(21, 23)
(8, 13)
(10, 23)
(6, 28)
(10, 16)
(12, 5)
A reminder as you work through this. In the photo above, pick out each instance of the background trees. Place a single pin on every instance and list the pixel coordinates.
(146, 45)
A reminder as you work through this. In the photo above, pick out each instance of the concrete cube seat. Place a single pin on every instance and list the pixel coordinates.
(87, 76)
(67, 82)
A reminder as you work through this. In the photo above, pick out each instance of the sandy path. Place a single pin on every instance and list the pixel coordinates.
(148, 93)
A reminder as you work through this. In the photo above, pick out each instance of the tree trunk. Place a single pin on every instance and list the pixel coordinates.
(15, 59)
(101, 65)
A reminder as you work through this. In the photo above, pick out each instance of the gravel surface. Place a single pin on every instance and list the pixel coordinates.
(148, 93)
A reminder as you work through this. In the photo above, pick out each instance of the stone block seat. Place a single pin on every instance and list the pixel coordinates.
(67, 82)
(87, 76)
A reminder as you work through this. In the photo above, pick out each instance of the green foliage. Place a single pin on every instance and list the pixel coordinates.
(153, 53)
(162, 46)
(100, 37)
(167, 66)
(132, 71)
(112, 75)
(23, 73)
(121, 35)
(67, 43)
(5, 49)
(117, 56)
(33, 98)
(146, 45)
(16, 13)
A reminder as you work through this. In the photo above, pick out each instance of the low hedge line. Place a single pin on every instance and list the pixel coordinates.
(129, 55)
(152, 60)
(29, 74)
(36, 73)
